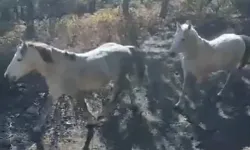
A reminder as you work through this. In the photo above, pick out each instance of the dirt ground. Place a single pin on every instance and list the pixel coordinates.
(158, 128)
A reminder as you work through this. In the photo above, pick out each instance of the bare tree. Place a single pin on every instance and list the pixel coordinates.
(92, 6)
(29, 19)
(164, 8)
(125, 7)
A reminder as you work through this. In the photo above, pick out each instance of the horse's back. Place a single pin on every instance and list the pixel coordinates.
(107, 45)
(228, 50)
(105, 50)
(105, 60)
(228, 43)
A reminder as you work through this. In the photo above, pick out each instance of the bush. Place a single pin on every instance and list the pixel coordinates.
(11, 37)
(201, 10)
(88, 31)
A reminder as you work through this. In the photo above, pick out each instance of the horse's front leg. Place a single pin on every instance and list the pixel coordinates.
(110, 105)
(230, 77)
(83, 110)
(132, 96)
(46, 110)
(189, 82)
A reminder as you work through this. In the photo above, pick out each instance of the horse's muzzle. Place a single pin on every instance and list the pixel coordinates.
(10, 78)
(172, 54)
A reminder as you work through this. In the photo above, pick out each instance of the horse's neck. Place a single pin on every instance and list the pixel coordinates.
(198, 50)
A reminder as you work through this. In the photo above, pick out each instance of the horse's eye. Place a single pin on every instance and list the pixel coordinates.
(183, 39)
(19, 59)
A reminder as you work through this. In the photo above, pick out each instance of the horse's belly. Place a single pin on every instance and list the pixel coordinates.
(93, 82)
(227, 61)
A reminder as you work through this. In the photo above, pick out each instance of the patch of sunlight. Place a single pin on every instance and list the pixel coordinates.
(221, 112)
(247, 81)
(246, 148)
(182, 121)
(150, 117)
(123, 124)
(169, 82)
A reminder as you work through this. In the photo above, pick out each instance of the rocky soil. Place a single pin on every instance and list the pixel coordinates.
(158, 128)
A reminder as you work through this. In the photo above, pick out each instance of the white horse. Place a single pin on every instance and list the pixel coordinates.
(73, 74)
(201, 57)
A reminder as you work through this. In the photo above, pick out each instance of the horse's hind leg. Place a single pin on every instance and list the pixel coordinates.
(110, 105)
(223, 89)
(244, 61)
(84, 111)
(230, 77)
(188, 87)
(132, 96)
(37, 134)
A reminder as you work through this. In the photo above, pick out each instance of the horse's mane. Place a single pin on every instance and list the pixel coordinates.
(41, 45)
(45, 51)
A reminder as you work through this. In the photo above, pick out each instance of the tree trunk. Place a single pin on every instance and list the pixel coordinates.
(15, 11)
(92, 6)
(22, 13)
(29, 19)
(125, 7)
(164, 8)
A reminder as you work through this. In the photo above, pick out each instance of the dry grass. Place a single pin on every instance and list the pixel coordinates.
(200, 10)
(89, 31)
(11, 37)
(82, 33)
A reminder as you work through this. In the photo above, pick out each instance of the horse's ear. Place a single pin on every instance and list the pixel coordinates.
(189, 24)
(24, 44)
(46, 54)
(20, 42)
(178, 25)
(24, 49)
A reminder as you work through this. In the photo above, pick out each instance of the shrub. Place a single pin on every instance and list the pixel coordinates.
(88, 31)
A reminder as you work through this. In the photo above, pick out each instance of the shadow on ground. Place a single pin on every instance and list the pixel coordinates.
(158, 128)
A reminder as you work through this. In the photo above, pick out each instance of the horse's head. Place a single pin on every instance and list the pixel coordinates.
(24, 61)
(185, 36)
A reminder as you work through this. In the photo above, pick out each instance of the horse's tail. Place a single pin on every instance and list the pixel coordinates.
(138, 61)
(246, 56)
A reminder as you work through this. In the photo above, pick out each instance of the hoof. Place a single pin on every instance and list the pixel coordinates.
(219, 96)
(134, 108)
(36, 134)
(92, 124)
(38, 131)
(96, 123)
(176, 106)
(102, 119)
(177, 109)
